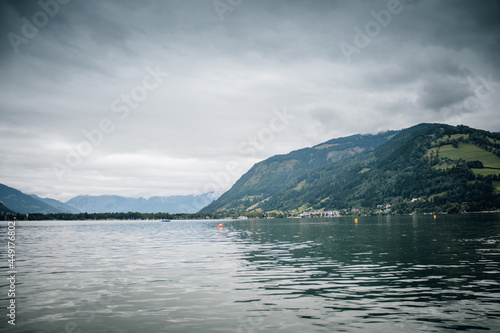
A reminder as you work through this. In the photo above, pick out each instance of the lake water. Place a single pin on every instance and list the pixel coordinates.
(382, 274)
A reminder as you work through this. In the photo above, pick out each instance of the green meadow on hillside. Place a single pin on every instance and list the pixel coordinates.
(470, 152)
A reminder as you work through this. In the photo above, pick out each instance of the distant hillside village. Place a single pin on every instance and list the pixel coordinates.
(328, 213)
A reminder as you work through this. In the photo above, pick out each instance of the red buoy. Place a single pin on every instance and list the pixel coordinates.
(220, 225)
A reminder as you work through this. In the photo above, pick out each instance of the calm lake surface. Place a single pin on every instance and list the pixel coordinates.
(382, 274)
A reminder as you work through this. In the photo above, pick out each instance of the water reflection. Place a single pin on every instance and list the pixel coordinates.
(391, 274)
(413, 272)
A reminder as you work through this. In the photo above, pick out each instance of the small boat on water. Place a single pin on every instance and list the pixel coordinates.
(165, 220)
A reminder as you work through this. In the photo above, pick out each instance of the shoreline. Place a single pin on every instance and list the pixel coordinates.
(187, 217)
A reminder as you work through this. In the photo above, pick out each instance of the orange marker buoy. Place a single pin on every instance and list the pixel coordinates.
(220, 226)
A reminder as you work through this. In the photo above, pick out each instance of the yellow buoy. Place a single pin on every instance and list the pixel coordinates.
(435, 216)
(356, 220)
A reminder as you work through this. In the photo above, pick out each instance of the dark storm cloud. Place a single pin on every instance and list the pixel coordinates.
(467, 25)
(438, 94)
(455, 25)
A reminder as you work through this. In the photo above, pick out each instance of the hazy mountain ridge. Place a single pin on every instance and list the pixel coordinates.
(13, 200)
(114, 203)
(22, 203)
(425, 167)
(61, 206)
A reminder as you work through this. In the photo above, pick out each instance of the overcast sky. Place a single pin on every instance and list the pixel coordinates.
(144, 98)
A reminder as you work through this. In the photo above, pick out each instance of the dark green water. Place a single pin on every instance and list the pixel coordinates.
(382, 274)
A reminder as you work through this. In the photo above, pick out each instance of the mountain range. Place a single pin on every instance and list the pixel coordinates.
(12, 200)
(424, 168)
(60, 206)
(114, 203)
(428, 167)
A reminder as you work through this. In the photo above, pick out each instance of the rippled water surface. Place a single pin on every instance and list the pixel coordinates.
(382, 274)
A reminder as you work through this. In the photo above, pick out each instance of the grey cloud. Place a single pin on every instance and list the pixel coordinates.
(457, 25)
(227, 78)
(439, 93)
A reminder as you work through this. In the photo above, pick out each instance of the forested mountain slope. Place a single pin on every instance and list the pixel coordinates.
(22, 203)
(428, 167)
